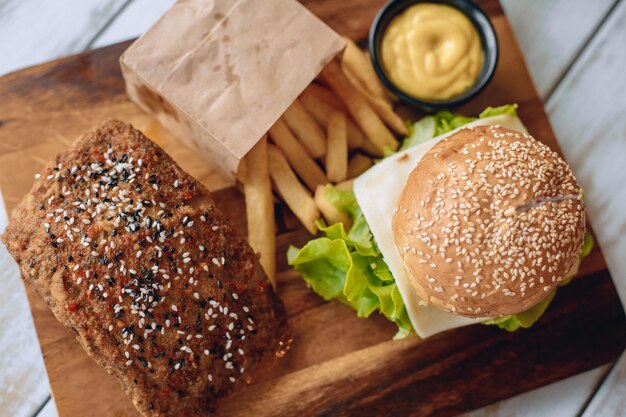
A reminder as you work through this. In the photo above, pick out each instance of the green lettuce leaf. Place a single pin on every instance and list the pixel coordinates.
(444, 121)
(524, 319)
(346, 265)
(419, 132)
(527, 318)
(510, 109)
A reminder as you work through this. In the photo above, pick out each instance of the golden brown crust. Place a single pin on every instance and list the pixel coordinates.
(489, 222)
(131, 254)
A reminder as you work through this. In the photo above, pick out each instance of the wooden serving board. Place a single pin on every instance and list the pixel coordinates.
(338, 364)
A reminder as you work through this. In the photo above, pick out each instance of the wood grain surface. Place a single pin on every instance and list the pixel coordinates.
(610, 400)
(339, 364)
(553, 33)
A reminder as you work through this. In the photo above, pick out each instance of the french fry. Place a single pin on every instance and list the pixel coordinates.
(360, 65)
(304, 127)
(380, 106)
(358, 165)
(260, 208)
(345, 185)
(292, 191)
(337, 148)
(320, 110)
(242, 170)
(370, 148)
(306, 168)
(327, 96)
(361, 111)
(329, 211)
(388, 95)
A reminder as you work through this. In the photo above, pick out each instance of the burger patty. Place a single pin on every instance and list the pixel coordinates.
(131, 254)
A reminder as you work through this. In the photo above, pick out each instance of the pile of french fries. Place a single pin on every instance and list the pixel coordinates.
(329, 135)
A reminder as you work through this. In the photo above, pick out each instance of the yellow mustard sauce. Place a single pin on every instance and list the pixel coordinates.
(432, 51)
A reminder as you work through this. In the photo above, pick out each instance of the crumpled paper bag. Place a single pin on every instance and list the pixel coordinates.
(219, 73)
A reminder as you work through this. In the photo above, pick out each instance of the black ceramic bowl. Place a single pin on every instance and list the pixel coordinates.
(488, 40)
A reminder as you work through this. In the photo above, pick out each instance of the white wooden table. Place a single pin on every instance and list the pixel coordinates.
(574, 49)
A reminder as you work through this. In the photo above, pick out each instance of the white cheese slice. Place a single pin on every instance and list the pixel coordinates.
(377, 192)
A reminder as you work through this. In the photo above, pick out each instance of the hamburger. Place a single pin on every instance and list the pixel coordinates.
(480, 223)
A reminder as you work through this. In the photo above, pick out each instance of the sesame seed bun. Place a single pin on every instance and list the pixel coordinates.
(489, 222)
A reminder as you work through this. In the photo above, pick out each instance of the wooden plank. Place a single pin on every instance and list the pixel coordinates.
(49, 410)
(551, 33)
(133, 21)
(610, 400)
(331, 345)
(34, 31)
(594, 142)
(564, 398)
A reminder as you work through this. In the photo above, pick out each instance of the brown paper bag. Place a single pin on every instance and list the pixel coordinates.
(219, 73)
